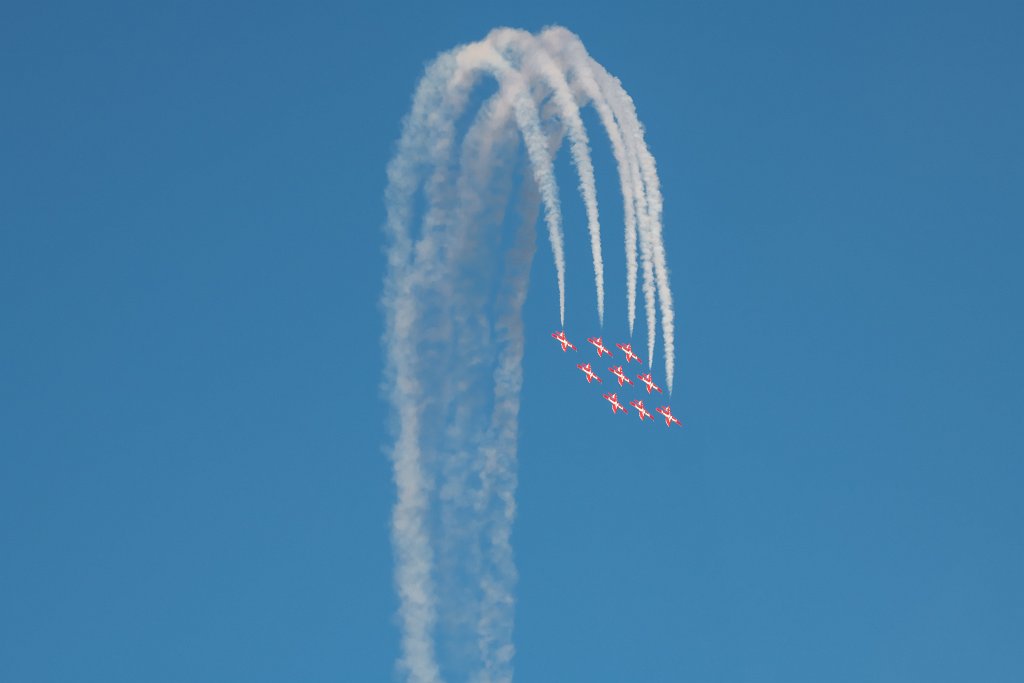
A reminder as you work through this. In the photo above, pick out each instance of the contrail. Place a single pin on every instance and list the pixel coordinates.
(609, 93)
(483, 618)
(626, 111)
(536, 62)
(414, 269)
(487, 514)
(484, 57)
(453, 297)
(410, 538)
(570, 53)
(638, 180)
(495, 502)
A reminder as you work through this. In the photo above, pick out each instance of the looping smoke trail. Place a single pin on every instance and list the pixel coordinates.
(453, 298)
(573, 58)
(639, 181)
(535, 61)
(627, 111)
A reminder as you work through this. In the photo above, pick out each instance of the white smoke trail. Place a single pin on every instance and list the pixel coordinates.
(638, 179)
(486, 607)
(448, 339)
(426, 141)
(413, 553)
(496, 572)
(570, 55)
(485, 151)
(428, 135)
(483, 56)
(495, 503)
(498, 459)
(626, 111)
(639, 191)
(536, 62)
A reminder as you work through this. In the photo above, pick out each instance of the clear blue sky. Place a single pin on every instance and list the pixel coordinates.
(193, 485)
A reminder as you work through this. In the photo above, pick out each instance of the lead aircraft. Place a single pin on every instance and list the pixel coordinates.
(616, 406)
(667, 412)
(649, 381)
(566, 344)
(620, 375)
(641, 411)
(628, 350)
(600, 346)
(591, 375)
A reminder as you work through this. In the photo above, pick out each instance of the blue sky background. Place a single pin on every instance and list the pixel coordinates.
(193, 485)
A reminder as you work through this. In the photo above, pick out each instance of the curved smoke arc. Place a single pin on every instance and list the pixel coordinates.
(453, 297)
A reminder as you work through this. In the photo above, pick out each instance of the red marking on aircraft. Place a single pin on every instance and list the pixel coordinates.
(566, 344)
(600, 346)
(641, 411)
(628, 350)
(667, 412)
(649, 381)
(620, 375)
(616, 406)
(591, 375)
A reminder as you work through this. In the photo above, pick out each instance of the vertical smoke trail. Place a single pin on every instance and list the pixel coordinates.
(413, 553)
(484, 56)
(453, 299)
(414, 271)
(611, 95)
(626, 110)
(428, 135)
(484, 617)
(569, 52)
(499, 472)
(616, 112)
(485, 153)
(498, 461)
(536, 62)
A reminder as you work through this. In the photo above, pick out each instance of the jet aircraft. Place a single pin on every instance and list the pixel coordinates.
(566, 344)
(628, 350)
(620, 375)
(600, 346)
(641, 411)
(591, 375)
(649, 381)
(667, 412)
(616, 406)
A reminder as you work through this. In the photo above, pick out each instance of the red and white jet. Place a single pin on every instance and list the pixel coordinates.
(591, 375)
(620, 375)
(667, 412)
(566, 344)
(628, 350)
(616, 406)
(649, 381)
(600, 346)
(643, 412)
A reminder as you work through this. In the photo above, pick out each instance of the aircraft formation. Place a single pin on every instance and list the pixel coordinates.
(620, 375)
